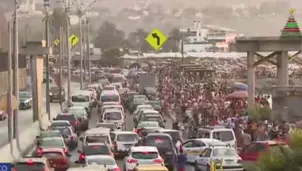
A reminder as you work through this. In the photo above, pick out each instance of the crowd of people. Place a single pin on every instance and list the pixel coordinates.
(205, 101)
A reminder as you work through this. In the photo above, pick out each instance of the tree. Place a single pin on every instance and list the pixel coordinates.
(109, 36)
(57, 20)
(137, 40)
(172, 43)
(111, 57)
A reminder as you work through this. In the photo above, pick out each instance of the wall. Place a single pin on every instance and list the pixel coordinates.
(4, 80)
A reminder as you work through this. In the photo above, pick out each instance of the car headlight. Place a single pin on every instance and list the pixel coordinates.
(26, 101)
(50, 94)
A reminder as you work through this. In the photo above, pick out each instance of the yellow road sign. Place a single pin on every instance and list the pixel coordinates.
(74, 40)
(156, 39)
(57, 42)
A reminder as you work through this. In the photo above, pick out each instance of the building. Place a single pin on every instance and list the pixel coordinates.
(207, 38)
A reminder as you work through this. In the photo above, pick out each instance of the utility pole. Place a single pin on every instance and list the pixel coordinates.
(16, 73)
(10, 90)
(46, 6)
(68, 52)
(81, 48)
(60, 65)
(88, 51)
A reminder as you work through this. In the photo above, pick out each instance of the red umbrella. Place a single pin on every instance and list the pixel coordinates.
(238, 95)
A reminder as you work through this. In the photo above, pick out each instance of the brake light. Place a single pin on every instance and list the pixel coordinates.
(71, 138)
(82, 156)
(116, 169)
(158, 161)
(96, 146)
(30, 162)
(65, 150)
(145, 152)
(131, 161)
(76, 122)
(14, 169)
(40, 151)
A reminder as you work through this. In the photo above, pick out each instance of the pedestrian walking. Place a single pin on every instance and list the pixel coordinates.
(181, 160)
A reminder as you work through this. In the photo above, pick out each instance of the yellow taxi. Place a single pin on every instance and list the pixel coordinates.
(151, 167)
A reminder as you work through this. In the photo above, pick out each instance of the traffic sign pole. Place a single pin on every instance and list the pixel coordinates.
(68, 53)
(46, 5)
(81, 51)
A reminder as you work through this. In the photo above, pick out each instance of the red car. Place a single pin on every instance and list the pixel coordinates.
(57, 158)
(252, 151)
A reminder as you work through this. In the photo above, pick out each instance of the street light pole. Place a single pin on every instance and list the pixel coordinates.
(16, 73)
(81, 49)
(46, 6)
(68, 52)
(88, 51)
(10, 90)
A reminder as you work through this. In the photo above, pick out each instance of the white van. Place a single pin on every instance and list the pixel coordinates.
(82, 98)
(221, 133)
(97, 135)
(114, 116)
(110, 96)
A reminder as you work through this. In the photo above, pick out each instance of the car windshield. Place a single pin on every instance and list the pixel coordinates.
(223, 135)
(24, 166)
(117, 79)
(52, 143)
(154, 104)
(101, 161)
(224, 152)
(150, 90)
(80, 98)
(152, 118)
(112, 116)
(147, 124)
(174, 134)
(105, 125)
(96, 149)
(127, 137)
(63, 130)
(110, 98)
(97, 139)
(54, 89)
(144, 155)
(67, 117)
(55, 124)
(23, 95)
(139, 99)
(161, 142)
(53, 155)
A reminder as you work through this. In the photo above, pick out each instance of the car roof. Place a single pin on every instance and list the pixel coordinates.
(158, 134)
(144, 105)
(112, 110)
(99, 157)
(81, 92)
(210, 141)
(166, 130)
(124, 132)
(113, 105)
(60, 121)
(95, 143)
(219, 127)
(270, 142)
(147, 122)
(53, 138)
(149, 111)
(143, 148)
(77, 107)
(99, 130)
(87, 168)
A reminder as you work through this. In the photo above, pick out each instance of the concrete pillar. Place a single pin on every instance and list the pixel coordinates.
(282, 68)
(251, 78)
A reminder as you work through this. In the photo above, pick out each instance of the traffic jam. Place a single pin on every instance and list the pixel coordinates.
(118, 124)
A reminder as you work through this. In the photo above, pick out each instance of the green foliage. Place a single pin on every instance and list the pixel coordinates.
(260, 113)
(282, 158)
(137, 40)
(111, 57)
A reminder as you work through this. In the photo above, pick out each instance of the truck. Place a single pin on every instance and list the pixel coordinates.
(146, 80)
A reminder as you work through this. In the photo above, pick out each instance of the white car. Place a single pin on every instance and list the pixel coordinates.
(102, 160)
(194, 147)
(115, 116)
(122, 141)
(141, 107)
(225, 158)
(142, 155)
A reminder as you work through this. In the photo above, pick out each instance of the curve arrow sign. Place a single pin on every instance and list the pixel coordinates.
(73, 39)
(155, 36)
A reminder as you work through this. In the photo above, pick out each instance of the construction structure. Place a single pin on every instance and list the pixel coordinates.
(290, 40)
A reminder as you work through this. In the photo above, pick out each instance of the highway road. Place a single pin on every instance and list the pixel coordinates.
(25, 116)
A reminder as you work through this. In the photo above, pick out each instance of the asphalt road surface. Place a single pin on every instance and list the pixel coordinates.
(26, 116)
